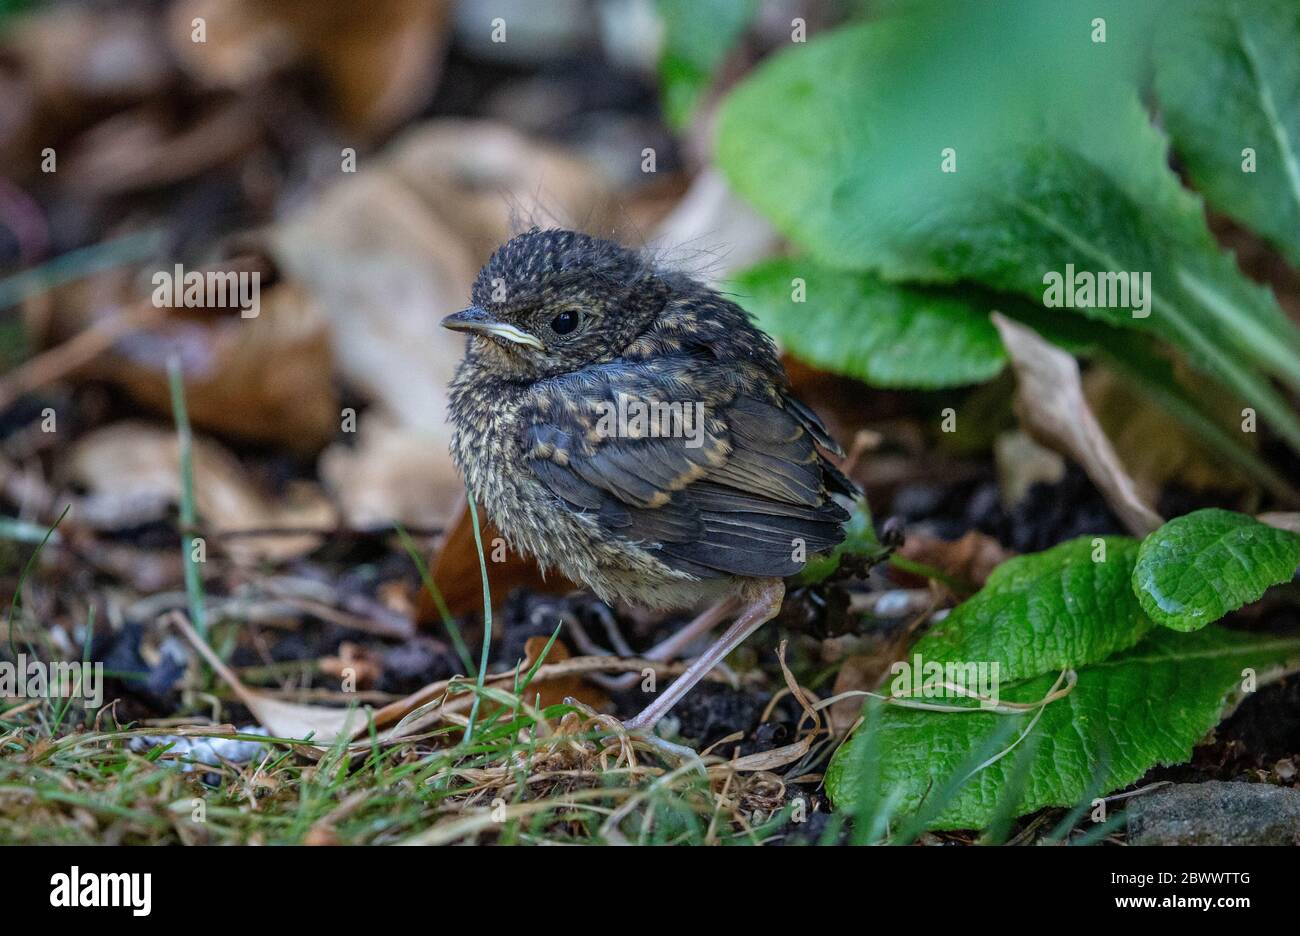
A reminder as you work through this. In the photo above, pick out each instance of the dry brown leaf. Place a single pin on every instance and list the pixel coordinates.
(264, 379)
(1281, 520)
(392, 473)
(970, 559)
(1153, 447)
(555, 691)
(132, 471)
(379, 61)
(140, 149)
(455, 570)
(1051, 407)
(323, 726)
(65, 65)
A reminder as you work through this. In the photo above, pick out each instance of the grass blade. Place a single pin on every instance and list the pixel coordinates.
(189, 518)
(487, 620)
(444, 612)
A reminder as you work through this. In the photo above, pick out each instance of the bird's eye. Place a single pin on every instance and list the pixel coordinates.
(564, 323)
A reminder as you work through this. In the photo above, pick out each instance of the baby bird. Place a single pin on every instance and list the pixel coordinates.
(632, 428)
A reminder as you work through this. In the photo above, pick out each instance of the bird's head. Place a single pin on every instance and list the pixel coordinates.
(551, 302)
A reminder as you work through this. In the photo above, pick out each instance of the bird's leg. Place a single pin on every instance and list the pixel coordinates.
(668, 648)
(671, 647)
(615, 635)
(761, 605)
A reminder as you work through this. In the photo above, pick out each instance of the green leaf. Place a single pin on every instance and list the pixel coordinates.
(1057, 167)
(1228, 78)
(1146, 706)
(697, 36)
(859, 326)
(1070, 605)
(1199, 567)
(859, 540)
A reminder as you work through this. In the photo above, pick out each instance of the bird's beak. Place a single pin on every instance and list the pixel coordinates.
(476, 321)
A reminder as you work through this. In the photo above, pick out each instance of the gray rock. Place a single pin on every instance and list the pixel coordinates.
(1215, 813)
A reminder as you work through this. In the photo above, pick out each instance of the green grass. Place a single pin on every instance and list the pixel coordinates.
(508, 773)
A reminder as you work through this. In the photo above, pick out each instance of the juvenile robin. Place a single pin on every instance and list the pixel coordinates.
(633, 429)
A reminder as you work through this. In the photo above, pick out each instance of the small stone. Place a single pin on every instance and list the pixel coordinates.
(1215, 813)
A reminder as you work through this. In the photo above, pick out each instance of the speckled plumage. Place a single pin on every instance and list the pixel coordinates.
(645, 519)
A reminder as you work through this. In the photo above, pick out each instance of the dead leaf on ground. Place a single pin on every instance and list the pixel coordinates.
(132, 473)
(266, 379)
(145, 148)
(379, 62)
(1153, 447)
(323, 726)
(969, 559)
(62, 66)
(391, 474)
(455, 570)
(1051, 407)
(1281, 520)
(76, 55)
(555, 691)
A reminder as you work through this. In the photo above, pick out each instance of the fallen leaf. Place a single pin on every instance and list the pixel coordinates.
(378, 62)
(969, 559)
(456, 572)
(132, 473)
(63, 66)
(1154, 448)
(555, 691)
(1281, 520)
(392, 473)
(76, 55)
(143, 148)
(266, 378)
(322, 726)
(1051, 407)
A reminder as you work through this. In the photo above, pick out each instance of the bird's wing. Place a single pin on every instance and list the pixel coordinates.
(746, 493)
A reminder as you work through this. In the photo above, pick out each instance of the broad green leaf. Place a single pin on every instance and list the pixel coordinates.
(1227, 77)
(1070, 605)
(1199, 567)
(1146, 706)
(697, 36)
(1058, 168)
(859, 540)
(859, 326)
